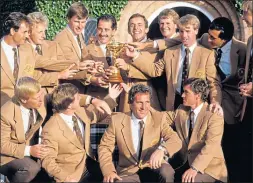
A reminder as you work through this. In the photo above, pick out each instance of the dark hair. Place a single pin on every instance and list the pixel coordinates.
(198, 86)
(225, 26)
(77, 9)
(138, 15)
(13, 21)
(108, 18)
(62, 96)
(138, 88)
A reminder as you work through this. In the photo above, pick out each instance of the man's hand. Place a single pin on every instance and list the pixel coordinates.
(121, 64)
(111, 177)
(189, 175)
(115, 90)
(67, 73)
(101, 106)
(246, 89)
(125, 87)
(130, 51)
(215, 107)
(156, 158)
(99, 66)
(98, 81)
(70, 179)
(38, 151)
(86, 64)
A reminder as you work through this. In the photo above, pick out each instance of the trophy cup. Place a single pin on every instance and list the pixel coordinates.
(115, 48)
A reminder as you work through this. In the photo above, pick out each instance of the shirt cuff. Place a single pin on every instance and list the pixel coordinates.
(136, 56)
(27, 151)
(155, 45)
(88, 98)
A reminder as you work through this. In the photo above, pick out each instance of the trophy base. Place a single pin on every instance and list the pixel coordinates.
(115, 77)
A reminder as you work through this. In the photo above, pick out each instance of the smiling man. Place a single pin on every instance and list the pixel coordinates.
(138, 134)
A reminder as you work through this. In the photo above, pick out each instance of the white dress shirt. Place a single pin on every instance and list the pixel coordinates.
(103, 48)
(196, 113)
(9, 53)
(135, 127)
(181, 63)
(25, 113)
(70, 123)
(75, 38)
(225, 63)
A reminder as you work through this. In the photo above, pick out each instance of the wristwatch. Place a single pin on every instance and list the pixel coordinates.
(92, 98)
(163, 149)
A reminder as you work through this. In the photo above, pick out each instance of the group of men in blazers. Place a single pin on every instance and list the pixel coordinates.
(171, 128)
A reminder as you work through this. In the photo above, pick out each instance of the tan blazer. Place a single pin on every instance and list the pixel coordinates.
(202, 66)
(67, 156)
(119, 132)
(203, 151)
(13, 140)
(232, 101)
(72, 54)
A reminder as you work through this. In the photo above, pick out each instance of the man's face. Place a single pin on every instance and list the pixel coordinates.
(21, 35)
(37, 33)
(34, 101)
(188, 35)
(76, 103)
(214, 40)
(247, 17)
(189, 98)
(137, 29)
(141, 105)
(77, 25)
(105, 31)
(167, 26)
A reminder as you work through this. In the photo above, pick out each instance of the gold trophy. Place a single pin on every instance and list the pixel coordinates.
(115, 48)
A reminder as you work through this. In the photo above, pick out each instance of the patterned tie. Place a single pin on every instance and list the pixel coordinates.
(30, 123)
(141, 138)
(191, 117)
(79, 41)
(217, 64)
(38, 49)
(185, 68)
(77, 130)
(16, 67)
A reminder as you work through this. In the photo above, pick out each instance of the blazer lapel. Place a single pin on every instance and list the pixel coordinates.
(234, 58)
(74, 43)
(67, 133)
(198, 124)
(175, 65)
(183, 118)
(19, 123)
(6, 67)
(195, 61)
(127, 135)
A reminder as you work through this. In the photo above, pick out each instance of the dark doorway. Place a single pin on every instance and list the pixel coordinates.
(154, 31)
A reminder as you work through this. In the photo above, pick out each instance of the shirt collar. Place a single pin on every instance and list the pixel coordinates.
(24, 110)
(226, 47)
(144, 39)
(174, 35)
(5, 45)
(197, 109)
(136, 120)
(75, 36)
(191, 48)
(67, 118)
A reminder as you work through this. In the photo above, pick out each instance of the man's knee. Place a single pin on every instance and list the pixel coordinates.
(167, 172)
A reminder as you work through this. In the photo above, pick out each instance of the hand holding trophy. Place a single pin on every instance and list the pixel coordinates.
(115, 48)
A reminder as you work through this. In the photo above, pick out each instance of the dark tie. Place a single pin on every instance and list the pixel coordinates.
(30, 123)
(77, 130)
(217, 64)
(141, 137)
(16, 68)
(79, 41)
(38, 49)
(108, 58)
(185, 68)
(191, 117)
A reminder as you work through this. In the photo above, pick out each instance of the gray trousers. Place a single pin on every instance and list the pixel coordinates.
(20, 170)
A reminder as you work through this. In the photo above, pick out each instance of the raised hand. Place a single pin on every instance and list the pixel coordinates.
(67, 73)
(115, 90)
(86, 64)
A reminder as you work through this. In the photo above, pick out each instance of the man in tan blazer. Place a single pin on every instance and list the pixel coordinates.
(137, 135)
(21, 120)
(201, 131)
(67, 134)
(174, 63)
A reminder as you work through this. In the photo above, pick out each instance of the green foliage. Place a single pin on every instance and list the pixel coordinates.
(238, 5)
(56, 11)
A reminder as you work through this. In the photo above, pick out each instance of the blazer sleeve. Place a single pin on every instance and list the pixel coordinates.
(9, 148)
(167, 43)
(172, 142)
(106, 148)
(213, 78)
(212, 142)
(137, 74)
(49, 162)
(46, 78)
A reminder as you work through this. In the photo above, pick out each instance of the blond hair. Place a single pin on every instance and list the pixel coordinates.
(247, 6)
(168, 13)
(38, 18)
(189, 20)
(26, 87)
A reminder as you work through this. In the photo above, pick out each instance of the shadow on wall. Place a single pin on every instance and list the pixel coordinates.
(8, 6)
(154, 31)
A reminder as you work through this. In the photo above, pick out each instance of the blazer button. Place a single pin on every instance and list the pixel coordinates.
(136, 163)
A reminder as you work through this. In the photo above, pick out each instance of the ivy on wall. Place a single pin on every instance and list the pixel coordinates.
(56, 11)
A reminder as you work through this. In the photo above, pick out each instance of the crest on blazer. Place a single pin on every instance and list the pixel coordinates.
(29, 69)
(200, 73)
